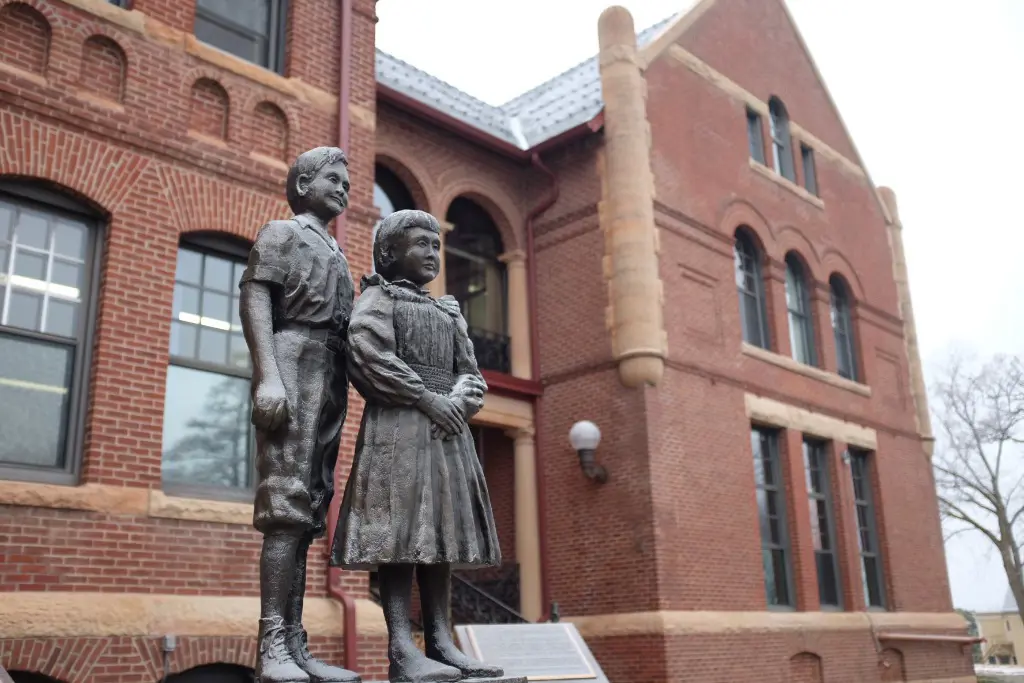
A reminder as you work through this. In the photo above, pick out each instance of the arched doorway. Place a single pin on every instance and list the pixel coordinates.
(214, 673)
(476, 277)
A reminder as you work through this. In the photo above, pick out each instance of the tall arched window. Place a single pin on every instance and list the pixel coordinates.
(798, 304)
(208, 440)
(389, 195)
(48, 273)
(842, 327)
(782, 144)
(476, 277)
(750, 285)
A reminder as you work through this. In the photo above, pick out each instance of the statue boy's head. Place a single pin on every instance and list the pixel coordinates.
(407, 246)
(318, 183)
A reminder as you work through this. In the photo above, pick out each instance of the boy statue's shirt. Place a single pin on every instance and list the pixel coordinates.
(314, 282)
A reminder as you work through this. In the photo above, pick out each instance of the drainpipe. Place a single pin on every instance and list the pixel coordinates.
(334, 588)
(538, 439)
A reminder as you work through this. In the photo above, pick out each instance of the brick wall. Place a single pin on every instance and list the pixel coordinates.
(163, 136)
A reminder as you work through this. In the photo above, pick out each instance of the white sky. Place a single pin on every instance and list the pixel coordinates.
(931, 91)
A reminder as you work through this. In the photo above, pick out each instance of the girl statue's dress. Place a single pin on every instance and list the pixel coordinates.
(412, 497)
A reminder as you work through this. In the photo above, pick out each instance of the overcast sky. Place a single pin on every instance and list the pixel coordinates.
(931, 91)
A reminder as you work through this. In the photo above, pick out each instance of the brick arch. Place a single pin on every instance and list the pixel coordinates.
(35, 158)
(255, 99)
(271, 130)
(209, 110)
(833, 261)
(501, 209)
(805, 667)
(29, 25)
(791, 239)
(205, 204)
(890, 666)
(104, 69)
(740, 212)
(412, 174)
(70, 660)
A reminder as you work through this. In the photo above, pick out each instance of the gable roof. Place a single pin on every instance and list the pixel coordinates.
(560, 104)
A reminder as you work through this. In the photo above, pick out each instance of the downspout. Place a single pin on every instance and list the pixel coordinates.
(538, 438)
(334, 588)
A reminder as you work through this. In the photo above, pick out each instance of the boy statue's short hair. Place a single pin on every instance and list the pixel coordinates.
(390, 231)
(309, 164)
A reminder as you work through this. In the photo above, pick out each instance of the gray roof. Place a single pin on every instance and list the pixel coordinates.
(562, 103)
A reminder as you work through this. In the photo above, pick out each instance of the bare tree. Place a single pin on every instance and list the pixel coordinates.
(979, 470)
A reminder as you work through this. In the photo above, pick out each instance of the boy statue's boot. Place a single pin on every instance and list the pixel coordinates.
(407, 663)
(435, 596)
(295, 634)
(275, 664)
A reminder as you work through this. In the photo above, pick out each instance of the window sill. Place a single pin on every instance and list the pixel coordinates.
(269, 161)
(208, 139)
(806, 370)
(123, 500)
(800, 192)
(99, 101)
(198, 509)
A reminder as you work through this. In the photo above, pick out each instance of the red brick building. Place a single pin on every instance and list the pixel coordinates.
(675, 240)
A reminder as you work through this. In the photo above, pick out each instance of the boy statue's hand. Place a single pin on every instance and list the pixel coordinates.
(270, 405)
(442, 412)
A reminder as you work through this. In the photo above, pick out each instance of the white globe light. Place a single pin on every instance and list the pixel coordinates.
(584, 436)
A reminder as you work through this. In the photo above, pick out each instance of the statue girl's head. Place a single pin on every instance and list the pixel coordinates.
(407, 246)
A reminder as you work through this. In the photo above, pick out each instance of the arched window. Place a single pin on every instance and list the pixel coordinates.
(48, 274)
(782, 144)
(798, 304)
(31, 677)
(389, 195)
(208, 440)
(842, 326)
(750, 285)
(214, 673)
(476, 277)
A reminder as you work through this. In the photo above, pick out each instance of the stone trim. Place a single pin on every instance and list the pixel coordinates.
(679, 622)
(198, 510)
(738, 92)
(506, 412)
(95, 615)
(788, 363)
(121, 500)
(786, 184)
(778, 414)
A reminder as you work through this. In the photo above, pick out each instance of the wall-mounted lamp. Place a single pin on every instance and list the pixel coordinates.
(584, 437)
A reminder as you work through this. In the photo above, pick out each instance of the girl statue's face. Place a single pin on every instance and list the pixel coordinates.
(419, 257)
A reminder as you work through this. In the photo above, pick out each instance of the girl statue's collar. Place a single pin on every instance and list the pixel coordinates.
(375, 280)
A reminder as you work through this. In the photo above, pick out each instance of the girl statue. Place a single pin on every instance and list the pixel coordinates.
(416, 500)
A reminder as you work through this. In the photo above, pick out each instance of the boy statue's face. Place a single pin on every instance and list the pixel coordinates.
(420, 256)
(326, 194)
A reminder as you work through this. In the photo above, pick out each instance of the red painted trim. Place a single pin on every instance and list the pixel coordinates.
(465, 130)
(334, 589)
(531, 275)
(507, 385)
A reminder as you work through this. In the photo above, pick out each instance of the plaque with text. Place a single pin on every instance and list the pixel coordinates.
(539, 652)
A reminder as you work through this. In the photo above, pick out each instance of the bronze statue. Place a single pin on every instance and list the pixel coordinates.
(416, 500)
(295, 302)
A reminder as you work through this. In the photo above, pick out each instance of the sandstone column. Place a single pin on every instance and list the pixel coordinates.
(518, 324)
(626, 211)
(899, 270)
(437, 287)
(527, 524)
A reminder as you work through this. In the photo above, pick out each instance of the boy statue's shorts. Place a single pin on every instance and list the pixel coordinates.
(295, 464)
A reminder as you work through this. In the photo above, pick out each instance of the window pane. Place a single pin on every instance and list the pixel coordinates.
(213, 346)
(251, 14)
(217, 274)
(31, 266)
(190, 265)
(186, 300)
(61, 318)
(207, 433)
(872, 588)
(25, 310)
(780, 570)
(183, 339)
(247, 47)
(32, 229)
(69, 239)
(35, 379)
(6, 222)
(828, 584)
(215, 310)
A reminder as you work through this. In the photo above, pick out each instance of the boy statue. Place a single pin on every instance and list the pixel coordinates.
(295, 302)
